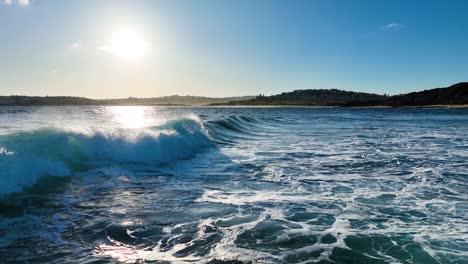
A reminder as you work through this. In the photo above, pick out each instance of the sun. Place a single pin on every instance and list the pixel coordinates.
(127, 43)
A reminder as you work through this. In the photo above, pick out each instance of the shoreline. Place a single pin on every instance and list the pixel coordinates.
(330, 106)
(462, 106)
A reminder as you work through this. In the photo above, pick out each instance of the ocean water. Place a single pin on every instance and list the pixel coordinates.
(233, 185)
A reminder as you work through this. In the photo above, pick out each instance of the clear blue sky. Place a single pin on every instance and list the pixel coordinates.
(225, 48)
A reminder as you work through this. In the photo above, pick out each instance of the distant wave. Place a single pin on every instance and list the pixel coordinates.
(26, 156)
(14, 110)
(231, 128)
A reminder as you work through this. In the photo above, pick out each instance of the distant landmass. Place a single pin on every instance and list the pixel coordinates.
(312, 97)
(69, 100)
(454, 95)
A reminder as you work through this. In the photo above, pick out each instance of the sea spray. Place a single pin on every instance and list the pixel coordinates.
(26, 156)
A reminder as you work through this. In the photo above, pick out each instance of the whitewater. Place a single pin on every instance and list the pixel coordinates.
(134, 184)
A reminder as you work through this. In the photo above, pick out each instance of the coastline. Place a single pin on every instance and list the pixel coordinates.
(410, 106)
(458, 106)
(328, 106)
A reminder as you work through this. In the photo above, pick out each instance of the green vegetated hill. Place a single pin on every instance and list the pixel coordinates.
(454, 95)
(68, 100)
(312, 97)
(16, 100)
(176, 100)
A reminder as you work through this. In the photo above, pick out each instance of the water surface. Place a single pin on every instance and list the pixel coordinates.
(220, 185)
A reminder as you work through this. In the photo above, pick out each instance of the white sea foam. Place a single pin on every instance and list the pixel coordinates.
(314, 188)
(24, 157)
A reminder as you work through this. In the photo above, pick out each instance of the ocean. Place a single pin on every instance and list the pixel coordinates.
(233, 185)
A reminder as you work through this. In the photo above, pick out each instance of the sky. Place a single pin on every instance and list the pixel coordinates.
(124, 48)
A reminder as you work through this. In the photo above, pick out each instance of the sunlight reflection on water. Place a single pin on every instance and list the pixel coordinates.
(132, 116)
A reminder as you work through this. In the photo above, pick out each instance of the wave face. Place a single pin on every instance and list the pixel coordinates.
(24, 157)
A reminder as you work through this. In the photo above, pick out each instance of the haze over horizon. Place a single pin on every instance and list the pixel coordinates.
(118, 49)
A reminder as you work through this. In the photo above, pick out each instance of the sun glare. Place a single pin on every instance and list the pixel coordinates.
(130, 116)
(127, 43)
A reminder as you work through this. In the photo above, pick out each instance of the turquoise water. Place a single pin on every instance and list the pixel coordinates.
(233, 185)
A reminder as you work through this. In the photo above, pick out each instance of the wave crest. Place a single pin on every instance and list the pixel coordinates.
(26, 156)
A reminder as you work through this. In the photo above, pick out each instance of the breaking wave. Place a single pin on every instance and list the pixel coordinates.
(26, 156)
